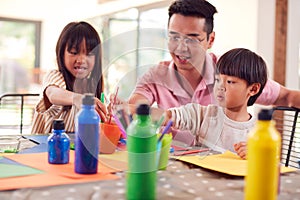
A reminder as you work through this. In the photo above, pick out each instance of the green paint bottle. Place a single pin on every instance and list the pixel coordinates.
(141, 147)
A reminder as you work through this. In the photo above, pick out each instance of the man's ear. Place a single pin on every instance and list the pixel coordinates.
(211, 40)
(254, 88)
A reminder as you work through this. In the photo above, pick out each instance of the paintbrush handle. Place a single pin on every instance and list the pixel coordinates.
(166, 129)
(190, 152)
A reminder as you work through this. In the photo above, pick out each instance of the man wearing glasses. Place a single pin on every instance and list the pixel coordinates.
(189, 77)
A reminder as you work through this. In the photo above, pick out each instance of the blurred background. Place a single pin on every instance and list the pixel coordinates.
(133, 36)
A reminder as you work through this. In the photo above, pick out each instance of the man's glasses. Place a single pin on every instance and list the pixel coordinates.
(176, 39)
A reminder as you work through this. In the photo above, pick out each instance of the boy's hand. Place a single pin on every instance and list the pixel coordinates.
(241, 149)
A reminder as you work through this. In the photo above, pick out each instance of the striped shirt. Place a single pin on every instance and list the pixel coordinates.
(45, 112)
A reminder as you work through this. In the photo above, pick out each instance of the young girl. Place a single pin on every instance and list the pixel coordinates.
(78, 54)
(240, 78)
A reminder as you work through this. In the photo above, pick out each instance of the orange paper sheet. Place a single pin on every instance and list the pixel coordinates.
(228, 163)
(40, 161)
(54, 174)
(42, 180)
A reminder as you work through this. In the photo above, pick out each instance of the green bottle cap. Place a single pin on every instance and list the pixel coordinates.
(143, 109)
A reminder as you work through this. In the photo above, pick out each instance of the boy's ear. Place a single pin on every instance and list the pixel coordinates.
(254, 88)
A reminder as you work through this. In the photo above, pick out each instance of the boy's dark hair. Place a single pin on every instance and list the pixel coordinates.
(246, 65)
(72, 36)
(195, 8)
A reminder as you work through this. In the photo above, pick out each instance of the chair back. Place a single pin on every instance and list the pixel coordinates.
(288, 124)
(16, 112)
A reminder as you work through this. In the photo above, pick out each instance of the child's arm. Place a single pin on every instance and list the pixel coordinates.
(168, 115)
(185, 117)
(241, 149)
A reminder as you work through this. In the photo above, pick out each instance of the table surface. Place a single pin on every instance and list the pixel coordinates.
(179, 181)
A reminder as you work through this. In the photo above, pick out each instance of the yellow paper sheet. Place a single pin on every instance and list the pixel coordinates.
(228, 163)
(118, 155)
(118, 160)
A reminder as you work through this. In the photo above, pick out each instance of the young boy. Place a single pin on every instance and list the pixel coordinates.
(240, 78)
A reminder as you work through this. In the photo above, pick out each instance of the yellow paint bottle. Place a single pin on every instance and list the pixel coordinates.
(264, 143)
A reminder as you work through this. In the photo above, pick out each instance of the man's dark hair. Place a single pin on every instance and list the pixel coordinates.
(246, 65)
(195, 8)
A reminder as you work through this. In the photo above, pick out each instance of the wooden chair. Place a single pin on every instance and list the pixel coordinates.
(16, 112)
(288, 124)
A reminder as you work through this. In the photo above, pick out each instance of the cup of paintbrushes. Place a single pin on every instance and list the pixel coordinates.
(109, 137)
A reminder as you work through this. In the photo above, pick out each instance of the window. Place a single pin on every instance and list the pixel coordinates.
(19, 55)
(133, 41)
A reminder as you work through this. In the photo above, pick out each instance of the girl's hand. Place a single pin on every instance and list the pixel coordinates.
(101, 109)
(113, 102)
(241, 149)
(113, 99)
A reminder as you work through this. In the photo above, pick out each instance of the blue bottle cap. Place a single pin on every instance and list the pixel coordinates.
(58, 124)
(88, 99)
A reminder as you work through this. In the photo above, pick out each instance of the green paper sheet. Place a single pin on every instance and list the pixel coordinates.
(10, 170)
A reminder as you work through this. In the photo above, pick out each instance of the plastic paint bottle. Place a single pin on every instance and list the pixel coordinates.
(87, 137)
(58, 144)
(142, 166)
(264, 147)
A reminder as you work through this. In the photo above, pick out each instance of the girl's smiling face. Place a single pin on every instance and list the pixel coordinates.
(79, 63)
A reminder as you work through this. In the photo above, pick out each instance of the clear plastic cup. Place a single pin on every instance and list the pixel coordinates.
(163, 150)
(9, 144)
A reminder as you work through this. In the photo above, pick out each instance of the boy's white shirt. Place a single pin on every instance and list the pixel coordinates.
(211, 126)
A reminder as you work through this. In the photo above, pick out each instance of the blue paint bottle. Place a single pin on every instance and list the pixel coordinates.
(87, 137)
(58, 144)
